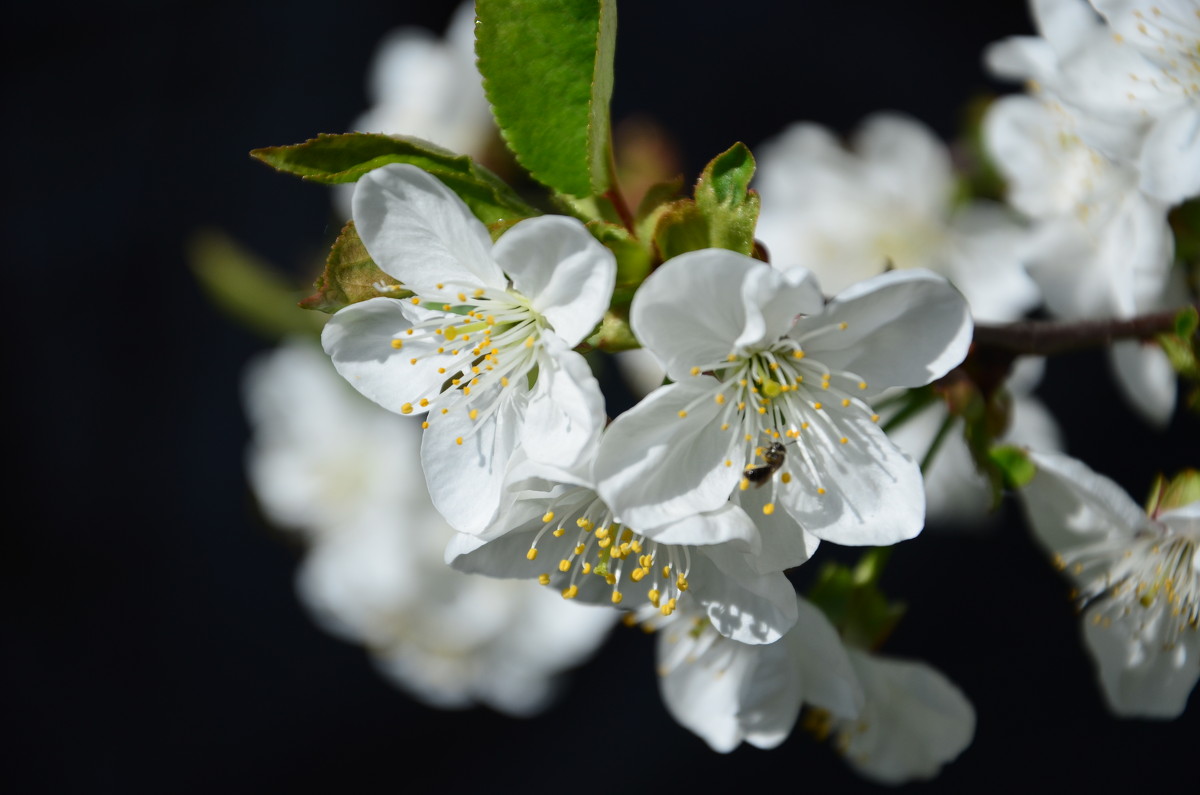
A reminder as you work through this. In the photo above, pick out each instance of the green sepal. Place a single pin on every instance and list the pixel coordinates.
(247, 288)
(1013, 464)
(1167, 495)
(336, 159)
(722, 213)
(548, 73)
(350, 276)
(854, 603)
(613, 335)
(681, 227)
(633, 259)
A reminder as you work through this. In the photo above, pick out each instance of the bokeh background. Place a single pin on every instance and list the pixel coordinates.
(152, 640)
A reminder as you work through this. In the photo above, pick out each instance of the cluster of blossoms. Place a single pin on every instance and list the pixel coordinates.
(760, 433)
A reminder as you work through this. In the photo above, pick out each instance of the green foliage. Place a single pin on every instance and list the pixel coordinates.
(1180, 348)
(722, 213)
(1013, 464)
(548, 72)
(350, 276)
(336, 159)
(854, 603)
(246, 288)
(1167, 495)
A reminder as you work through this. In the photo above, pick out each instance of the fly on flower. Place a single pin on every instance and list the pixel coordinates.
(755, 350)
(484, 345)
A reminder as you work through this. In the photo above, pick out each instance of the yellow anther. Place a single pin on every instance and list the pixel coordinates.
(773, 366)
(579, 549)
(441, 370)
(637, 574)
(406, 408)
(478, 292)
(874, 418)
(446, 307)
(466, 390)
(445, 410)
(682, 414)
(666, 570)
(845, 402)
(786, 477)
(548, 516)
(817, 406)
(503, 381)
(570, 593)
(462, 296)
(458, 440)
(559, 532)
(804, 426)
(491, 321)
(415, 300)
(653, 595)
(529, 341)
(412, 361)
(695, 371)
(728, 463)
(843, 440)
(397, 344)
(745, 484)
(473, 413)
(862, 384)
(441, 350)
(440, 285)
(424, 402)
(636, 546)
(616, 597)
(681, 583)
(719, 398)
(724, 426)
(531, 554)
(587, 568)
(731, 357)
(820, 490)
(842, 326)
(425, 425)
(409, 332)
(769, 509)
(610, 579)
(564, 565)
(762, 409)
(601, 533)
(605, 543)
(543, 579)
(741, 405)
(798, 354)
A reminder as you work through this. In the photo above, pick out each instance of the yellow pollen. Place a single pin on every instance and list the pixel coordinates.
(559, 532)
(446, 307)
(570, 593)
(409, 332)
(605, 543)
(458, 440)
(720, 399)
(862, 384)
(406, 408)
(762, 409)
(745, 484)
(817, 406)
(441, 350)
(769, 508)
(843, 440)
(786, 477)
(587, 568)
(543, 579)
(804, 426)
(637, 574)
(798, 354)
(666, 570)
(842, 326)
(441, 370)
(695, 371)
(462, 296)
(749, 437)
(425, 424)
(440, 286)
(731, 358)
(412, 361)
(682, 414)
(681, 583)
(416, 300)
(397, 344)
(548, 516)
(503, 381)
(445, 410)
(820, 490)
(424, 402)
(478, 292)
(564, 565)
(728, 463)
(773, 365)
(653, 595)
(741, 405)
(491, 321)
(529, 341)
(616, 597)
(466, 390)
(579, 549)
(724, 426)
(531, 554)
(845, 402)
(874, 418)
(473, 413)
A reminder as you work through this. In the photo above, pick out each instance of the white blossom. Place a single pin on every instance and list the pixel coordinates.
(484, 346)
(889, 201)
(1137, 577)
(757, 358)
(344, 474)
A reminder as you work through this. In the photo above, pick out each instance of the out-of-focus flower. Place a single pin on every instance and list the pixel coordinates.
(344, 474)
(759, 359)
(1137, 576)
(888, 202)
(484, 346)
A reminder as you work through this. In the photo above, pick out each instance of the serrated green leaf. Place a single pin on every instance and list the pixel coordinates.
(1013, 464)
(548, 73)
(350, 276)
(336, 159)
(247, 288)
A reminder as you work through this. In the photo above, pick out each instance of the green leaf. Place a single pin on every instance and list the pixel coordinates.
(1168, 495)
(681, 227)
(633, 258)
(350, 276)
(548, 72)
(854, 603)
(246, 288)
(336, 159)
(723, 196)
(1186, 322)
(1013, 464)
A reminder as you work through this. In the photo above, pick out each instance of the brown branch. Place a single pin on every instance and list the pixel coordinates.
(1048, 337)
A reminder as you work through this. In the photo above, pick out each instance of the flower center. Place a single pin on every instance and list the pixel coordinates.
(584, 537)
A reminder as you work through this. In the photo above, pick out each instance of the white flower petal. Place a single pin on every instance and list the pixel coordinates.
(728, 523)
(566, 274)
(785, 544)
(360, 340)
(823, 663)
(773, 300)
(873, 494)
(655, 467)
(903, 328)
(565, 413)
(902, 157)
(419, 232)
(1170, 159)
(741, 603)
(703, 328)
(466, 461)
(914, 721)
(1146, 378)
(704, 695)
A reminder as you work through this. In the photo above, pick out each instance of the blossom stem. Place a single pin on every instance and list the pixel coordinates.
(1047, 337)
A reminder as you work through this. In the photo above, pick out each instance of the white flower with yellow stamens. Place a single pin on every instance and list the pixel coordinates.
(485, 343)
(561, 533)
(758, 357)
(1137, 576)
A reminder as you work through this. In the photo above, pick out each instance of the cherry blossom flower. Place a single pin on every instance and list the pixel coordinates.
(888, 202)
(758, 359)
(1137, 576)
(484, 346)
(343, 474)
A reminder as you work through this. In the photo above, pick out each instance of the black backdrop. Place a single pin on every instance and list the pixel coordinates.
(152, 641)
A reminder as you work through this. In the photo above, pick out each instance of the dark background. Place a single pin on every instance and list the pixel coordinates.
(152, 641)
